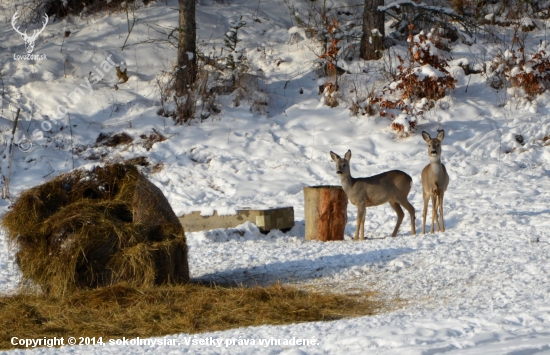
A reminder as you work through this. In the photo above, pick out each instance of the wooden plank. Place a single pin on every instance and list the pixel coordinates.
(275, 218)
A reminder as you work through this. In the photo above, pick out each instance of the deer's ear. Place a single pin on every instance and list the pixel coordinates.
(441, 135)
(334, 156)
(426, 136)
(348, 155)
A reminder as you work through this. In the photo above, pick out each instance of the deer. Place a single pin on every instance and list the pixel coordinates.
(29, 40)
(434, 182)
(391, 186)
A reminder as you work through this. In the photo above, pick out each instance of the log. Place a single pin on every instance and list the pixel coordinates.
(325, 212)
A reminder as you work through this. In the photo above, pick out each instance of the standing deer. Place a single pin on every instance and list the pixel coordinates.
(434, 182)
(391, 186)
(29, 40)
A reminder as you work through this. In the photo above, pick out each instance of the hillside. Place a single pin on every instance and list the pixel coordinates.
(479, 288)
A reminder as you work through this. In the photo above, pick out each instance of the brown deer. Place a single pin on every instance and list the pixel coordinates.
(434, 182)
(391, 186)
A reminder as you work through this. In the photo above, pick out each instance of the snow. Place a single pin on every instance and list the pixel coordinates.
(459, 62)
(226, 211)
(296, 30)
(526, 22)
(427, 71)
(207, 211)
(403, 119)
(479, 288)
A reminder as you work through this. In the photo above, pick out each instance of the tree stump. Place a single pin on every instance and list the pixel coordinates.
(325, 212)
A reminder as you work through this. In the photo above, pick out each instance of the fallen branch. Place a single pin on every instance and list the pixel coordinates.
(6, 191)
(448, 13)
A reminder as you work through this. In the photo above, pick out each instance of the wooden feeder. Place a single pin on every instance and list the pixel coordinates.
(325, 212)
(281, 218)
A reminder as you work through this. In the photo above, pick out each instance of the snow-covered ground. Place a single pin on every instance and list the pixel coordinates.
(482, 287)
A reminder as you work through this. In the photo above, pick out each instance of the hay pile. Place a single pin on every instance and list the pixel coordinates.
(121, 311)
(96, 228)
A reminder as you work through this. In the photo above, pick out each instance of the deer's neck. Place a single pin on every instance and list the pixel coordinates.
(347, 181)
(435, 165)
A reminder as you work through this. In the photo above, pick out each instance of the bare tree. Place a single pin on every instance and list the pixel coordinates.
(187, 59)
(372, 41)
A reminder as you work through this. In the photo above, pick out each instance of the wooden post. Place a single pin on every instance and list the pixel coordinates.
(325, 212)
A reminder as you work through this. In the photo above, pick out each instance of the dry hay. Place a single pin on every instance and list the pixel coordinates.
(96, 228)
(149, 141)
(113, 140)
(122, 311)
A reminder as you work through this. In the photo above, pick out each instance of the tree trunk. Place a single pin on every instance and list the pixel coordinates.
(325, 212)
(372, 43)
(187, 56)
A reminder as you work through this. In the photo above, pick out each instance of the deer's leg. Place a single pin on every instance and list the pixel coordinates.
(360, 222)
(441, 212)
(400, 216)
(434, 213)
(436, 207)
(412, 213)
(425, 212)
(363, 223)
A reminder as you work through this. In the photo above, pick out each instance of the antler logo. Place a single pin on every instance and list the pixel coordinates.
(29, 40)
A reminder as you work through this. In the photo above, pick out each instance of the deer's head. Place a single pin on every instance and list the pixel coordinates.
(342, 165)
(29, 40)
(434, 144)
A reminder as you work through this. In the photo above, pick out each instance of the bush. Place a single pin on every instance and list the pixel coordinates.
(529, 72)
(62, 8)
(418, 84)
